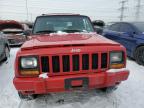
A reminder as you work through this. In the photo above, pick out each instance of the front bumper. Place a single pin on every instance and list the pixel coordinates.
(57, 83)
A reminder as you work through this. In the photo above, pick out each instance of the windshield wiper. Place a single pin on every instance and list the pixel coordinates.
(46, 31)
(71, 30)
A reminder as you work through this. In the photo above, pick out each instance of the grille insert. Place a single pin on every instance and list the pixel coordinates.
(66, 63)
(55, 64)
(45, 64)
(85, 62)
(104, 60)
(75, 59)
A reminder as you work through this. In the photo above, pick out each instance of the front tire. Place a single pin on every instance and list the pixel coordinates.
(108, 89)
(139, 55)
(27, 97)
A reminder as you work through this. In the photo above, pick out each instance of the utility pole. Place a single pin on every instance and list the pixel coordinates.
(27, 10)
(138, 10)
(31, 17)
(122, 9)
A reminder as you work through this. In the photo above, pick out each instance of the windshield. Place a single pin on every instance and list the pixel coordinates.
(69, 24)
(139, 26)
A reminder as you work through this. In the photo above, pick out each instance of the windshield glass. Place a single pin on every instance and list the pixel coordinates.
(139, 26)
(69, 24)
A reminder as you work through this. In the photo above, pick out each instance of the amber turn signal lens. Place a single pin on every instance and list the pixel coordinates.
(30, 72)
(116, 66)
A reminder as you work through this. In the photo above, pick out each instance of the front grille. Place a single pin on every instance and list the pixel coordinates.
(94, 61)
(12, 41)
(74, 63)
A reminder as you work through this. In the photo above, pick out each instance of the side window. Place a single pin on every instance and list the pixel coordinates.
(114, 27)
(126, 28)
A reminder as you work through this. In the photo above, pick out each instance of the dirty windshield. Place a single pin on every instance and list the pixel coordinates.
(68, 24)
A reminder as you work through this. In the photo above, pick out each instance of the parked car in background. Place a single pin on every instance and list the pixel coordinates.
(13, 31)
(4, 47)
(64, 54)
(28, 24)
(130, 35)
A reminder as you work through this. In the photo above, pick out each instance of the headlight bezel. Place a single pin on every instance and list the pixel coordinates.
(29, 71)
(117, 64)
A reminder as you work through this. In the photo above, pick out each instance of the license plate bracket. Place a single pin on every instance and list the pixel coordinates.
(76, 83)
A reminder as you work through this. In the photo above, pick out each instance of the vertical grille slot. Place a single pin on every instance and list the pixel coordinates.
(55, 64)
(85, 62)
(66, 63)
(75, 59)
(104, 60)
(94, 61)
(45, 64)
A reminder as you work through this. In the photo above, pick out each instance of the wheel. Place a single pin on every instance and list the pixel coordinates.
(6, 53)
(108, 89)
(27, 97)
(139, 55)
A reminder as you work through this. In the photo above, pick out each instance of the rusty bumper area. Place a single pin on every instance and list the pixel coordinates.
(69, 82)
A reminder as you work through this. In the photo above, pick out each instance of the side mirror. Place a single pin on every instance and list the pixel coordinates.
(130, 33)
(99, 23)
(99, 30)
(27, 32)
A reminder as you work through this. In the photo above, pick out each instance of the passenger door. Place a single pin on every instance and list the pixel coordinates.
(127, 36)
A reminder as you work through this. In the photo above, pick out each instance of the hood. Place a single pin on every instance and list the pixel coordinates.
(61, 40)
(7, 24)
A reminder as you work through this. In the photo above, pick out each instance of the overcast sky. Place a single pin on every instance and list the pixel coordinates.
(106, 10)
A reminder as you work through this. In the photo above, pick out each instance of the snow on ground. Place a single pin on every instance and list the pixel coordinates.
(130, 93)
(8, 94)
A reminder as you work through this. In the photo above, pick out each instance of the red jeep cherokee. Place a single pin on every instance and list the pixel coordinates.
(63, 54)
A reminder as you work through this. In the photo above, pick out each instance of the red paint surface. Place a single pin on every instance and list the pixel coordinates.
(56, 84)
(46, 45)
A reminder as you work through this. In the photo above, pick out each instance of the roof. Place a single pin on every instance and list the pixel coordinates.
(59, 14)
(126, 22)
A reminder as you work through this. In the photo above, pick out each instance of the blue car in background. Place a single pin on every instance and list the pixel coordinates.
(130, 35)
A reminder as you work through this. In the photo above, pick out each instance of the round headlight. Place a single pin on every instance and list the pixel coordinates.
(29, 62)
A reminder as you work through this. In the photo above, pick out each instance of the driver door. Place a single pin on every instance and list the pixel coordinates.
(126, 36)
